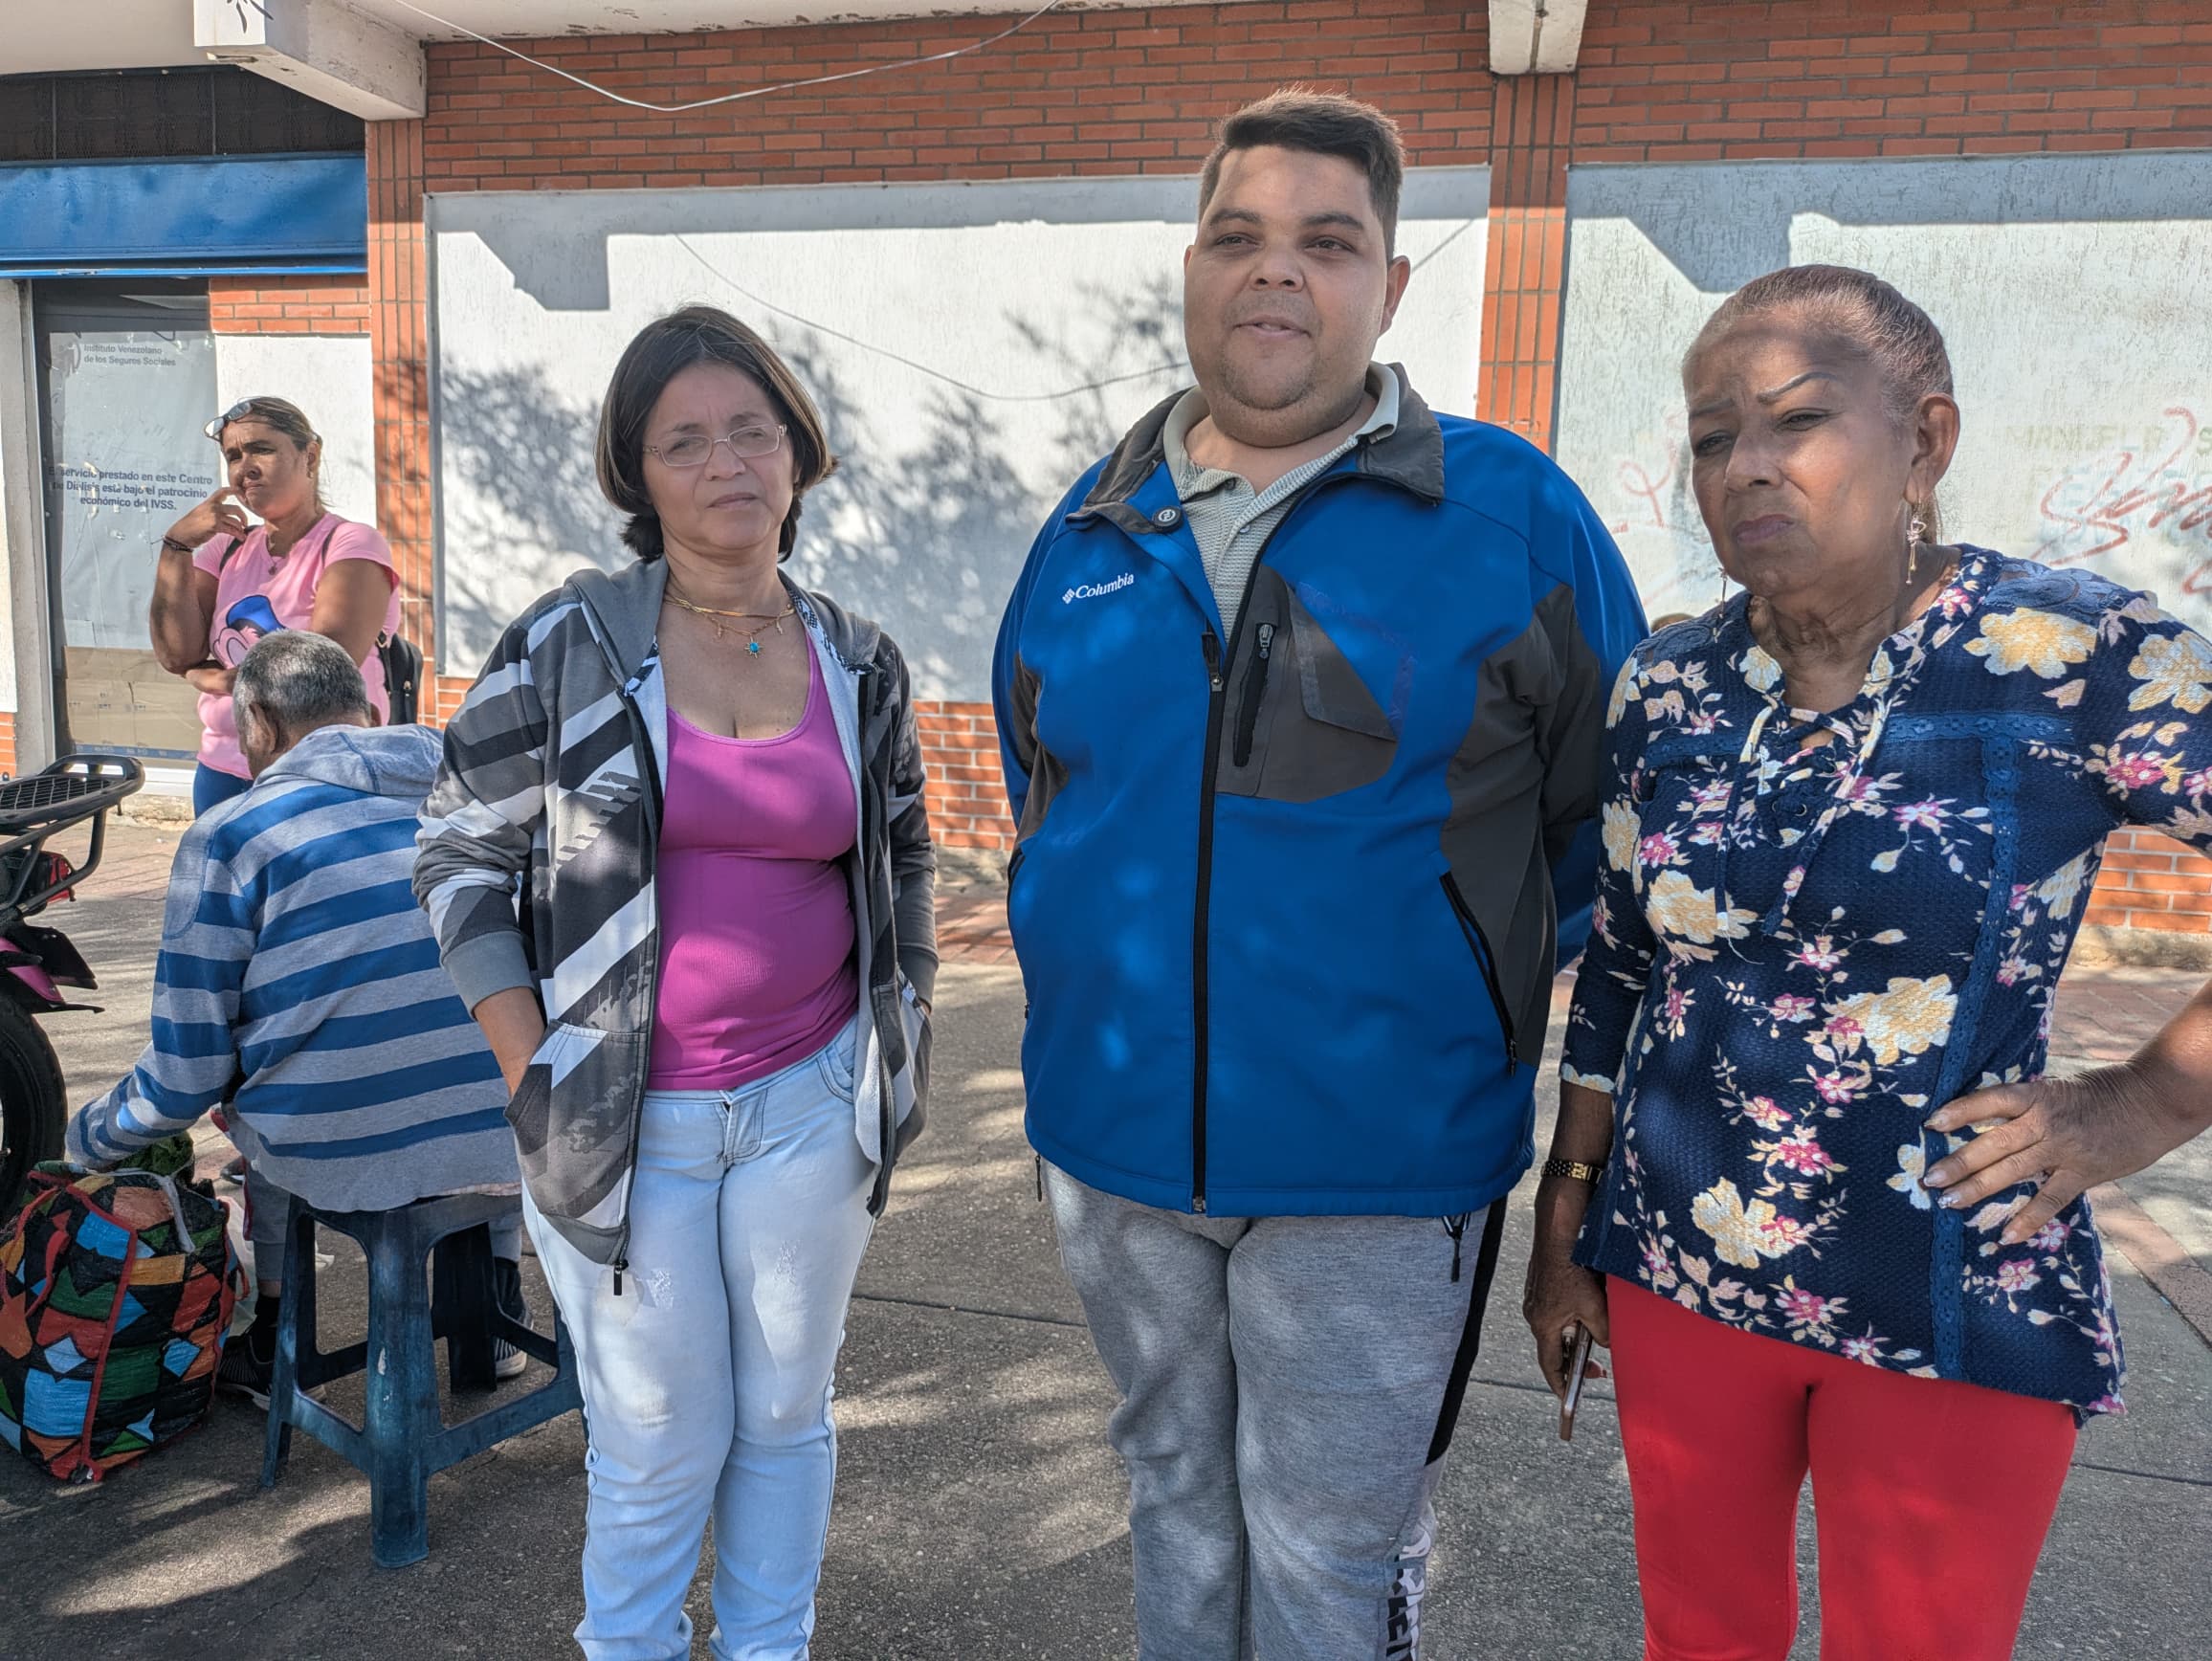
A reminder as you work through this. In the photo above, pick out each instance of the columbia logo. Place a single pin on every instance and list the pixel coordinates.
(1092, 590)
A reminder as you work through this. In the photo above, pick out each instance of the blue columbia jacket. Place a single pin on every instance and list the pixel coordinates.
(1288, 904)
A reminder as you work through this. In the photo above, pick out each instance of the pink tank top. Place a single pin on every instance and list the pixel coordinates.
(756, 921)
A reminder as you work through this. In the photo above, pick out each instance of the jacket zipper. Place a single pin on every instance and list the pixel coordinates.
(1255, 685)
(1486, 961)
(642, 738)
(1217, 701)
(885, 1130)
(1217, 685)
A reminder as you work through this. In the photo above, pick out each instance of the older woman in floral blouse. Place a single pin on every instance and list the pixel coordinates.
(1837, 1218)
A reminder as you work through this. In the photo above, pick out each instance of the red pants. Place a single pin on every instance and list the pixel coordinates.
(1930, 1497)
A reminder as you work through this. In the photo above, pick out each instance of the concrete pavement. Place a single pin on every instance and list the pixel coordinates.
(978, 1514)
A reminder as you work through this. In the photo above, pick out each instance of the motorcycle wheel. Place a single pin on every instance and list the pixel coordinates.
(34, 1101)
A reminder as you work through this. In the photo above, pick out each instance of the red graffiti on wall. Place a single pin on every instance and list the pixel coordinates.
(1661, 497)
(2100, 505)
(1637, 481)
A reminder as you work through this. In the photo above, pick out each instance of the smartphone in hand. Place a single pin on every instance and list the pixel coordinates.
(1578, 1342)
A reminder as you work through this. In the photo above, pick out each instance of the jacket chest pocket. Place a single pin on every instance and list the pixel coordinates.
(1299, 721)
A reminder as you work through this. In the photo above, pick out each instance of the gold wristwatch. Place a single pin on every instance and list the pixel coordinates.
(1574, 1168)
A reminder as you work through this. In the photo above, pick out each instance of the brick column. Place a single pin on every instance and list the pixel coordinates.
(1532, 123)
(399, 351)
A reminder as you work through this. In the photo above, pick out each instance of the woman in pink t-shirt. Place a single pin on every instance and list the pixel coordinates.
(224, 583)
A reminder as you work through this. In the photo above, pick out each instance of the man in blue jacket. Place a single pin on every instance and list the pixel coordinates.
(1302, 696)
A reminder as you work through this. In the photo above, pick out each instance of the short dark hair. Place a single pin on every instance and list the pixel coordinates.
(663, 350)
(1322, 123)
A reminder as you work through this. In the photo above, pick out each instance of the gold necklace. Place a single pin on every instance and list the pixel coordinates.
(715, 615)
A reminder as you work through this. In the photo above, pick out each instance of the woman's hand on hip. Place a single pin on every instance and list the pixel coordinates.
(212, 678)
(2069, 1134)
(2065, 1135)
(1560, 1293)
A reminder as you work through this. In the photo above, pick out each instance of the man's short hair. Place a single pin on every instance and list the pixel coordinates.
(1322, 123)
(294, 681)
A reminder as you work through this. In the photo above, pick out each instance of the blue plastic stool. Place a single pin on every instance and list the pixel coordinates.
(401, 1440)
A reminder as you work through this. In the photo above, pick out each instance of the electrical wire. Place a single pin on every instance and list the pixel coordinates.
(729, 97)
(953, 381)
(1172, 366)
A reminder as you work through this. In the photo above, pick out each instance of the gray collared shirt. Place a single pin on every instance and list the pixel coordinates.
(1229, 518)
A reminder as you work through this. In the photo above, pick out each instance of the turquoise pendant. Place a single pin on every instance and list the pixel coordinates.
(753, 647)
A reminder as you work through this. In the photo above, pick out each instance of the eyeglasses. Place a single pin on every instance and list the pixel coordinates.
(697, 449)
(238, 411)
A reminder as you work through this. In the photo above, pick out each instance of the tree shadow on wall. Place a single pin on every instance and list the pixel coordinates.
(927, 530)
(1145, 327)
(529, 511)
(924, 528)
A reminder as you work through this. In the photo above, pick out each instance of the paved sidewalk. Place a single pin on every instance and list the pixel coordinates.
(979, 1515)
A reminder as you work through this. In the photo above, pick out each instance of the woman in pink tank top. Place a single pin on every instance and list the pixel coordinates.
(223, 581)
(756, 934)
(779, 928)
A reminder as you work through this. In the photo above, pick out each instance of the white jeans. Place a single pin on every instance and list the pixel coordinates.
(707, 1382)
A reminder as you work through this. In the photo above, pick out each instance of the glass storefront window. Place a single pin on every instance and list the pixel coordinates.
(127, 397)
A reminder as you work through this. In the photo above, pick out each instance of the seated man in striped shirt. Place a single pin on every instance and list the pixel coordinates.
(295, 960)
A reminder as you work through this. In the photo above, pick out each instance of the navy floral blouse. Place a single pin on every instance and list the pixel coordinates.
(1814, 930)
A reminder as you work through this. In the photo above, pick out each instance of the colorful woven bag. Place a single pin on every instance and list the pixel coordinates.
(116, 1290)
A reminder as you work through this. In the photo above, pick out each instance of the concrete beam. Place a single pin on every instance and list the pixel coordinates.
(326, 49)
(1535, 37)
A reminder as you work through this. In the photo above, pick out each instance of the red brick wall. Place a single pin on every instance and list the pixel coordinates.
(447, 693)
(288, 305)
(1078, 92)
(2151, 881)
(967, 791)
(1890, 78)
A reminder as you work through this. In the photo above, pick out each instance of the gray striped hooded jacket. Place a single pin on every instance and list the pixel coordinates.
(550, 791)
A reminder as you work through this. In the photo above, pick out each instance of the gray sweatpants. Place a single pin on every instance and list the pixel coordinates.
(1287, 1388)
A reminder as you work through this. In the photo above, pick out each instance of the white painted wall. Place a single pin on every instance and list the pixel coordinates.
(2071, 291)
(974, 349)
(329, 377)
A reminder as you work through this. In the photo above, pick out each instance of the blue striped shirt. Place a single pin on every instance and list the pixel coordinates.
(295, 963)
